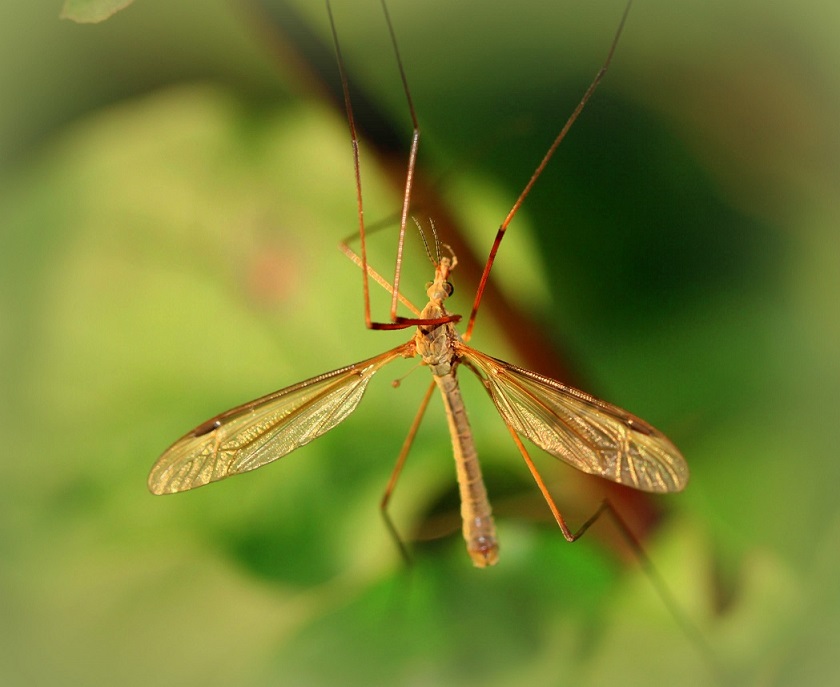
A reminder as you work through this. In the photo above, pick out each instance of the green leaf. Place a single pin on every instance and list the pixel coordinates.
(92, 11)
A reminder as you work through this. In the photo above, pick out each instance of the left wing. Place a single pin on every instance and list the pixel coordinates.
(264, 430)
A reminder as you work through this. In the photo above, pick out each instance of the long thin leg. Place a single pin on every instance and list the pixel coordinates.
(539, 170)
(378, 278)
(412, 160)
(354, 140)
(395, 474)
(686, 624)
(402, 322)
(555, 511)
(396, 322)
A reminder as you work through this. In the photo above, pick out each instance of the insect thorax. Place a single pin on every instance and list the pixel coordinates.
(434, 342)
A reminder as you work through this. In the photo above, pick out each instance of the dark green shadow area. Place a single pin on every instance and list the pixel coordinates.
(630, 224)
(442, 617)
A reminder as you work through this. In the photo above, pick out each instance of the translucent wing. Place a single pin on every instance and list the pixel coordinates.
(264, 430)
(587, 433)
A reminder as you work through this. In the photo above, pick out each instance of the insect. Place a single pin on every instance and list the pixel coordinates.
(585, 432)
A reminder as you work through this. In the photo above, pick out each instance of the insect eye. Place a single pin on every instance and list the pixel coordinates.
(447, 286)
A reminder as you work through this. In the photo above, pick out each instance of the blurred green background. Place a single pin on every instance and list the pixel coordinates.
(174, 183)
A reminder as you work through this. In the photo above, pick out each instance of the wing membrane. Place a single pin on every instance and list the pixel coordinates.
(585, 432)
(264, 430)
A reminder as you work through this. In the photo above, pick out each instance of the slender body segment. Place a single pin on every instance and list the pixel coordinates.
(435, 344)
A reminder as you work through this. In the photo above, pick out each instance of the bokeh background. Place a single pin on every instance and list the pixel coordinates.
(174, 183)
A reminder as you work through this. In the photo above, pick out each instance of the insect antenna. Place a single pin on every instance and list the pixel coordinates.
(423, 238)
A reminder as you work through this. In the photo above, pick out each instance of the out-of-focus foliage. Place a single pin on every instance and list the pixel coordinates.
(92, 11)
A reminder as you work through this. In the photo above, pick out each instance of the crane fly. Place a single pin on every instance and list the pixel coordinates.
(589, 434)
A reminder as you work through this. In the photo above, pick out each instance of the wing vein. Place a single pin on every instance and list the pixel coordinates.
(266, 429)
(589, 434)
